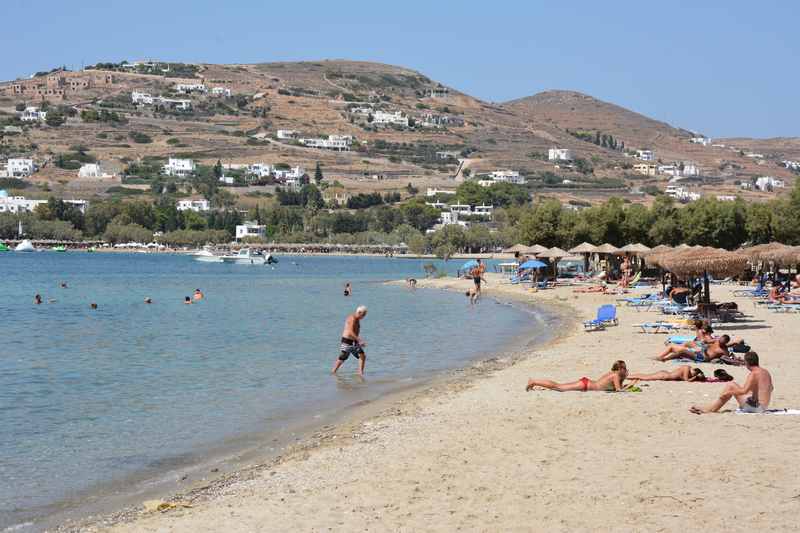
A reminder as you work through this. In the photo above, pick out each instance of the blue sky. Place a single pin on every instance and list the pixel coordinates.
(723, 68)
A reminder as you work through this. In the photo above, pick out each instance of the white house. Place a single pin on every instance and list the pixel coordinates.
(397, 118)
(448, 218)
(179, 167)
(181, 104)
(681, 194)
(484, 211)
(250, 229)
(670, 170)
(447, 154)
(768, 183)
(262, 170)
(753, 155)
(221, 91)
(293, 173)
(705, 141)
(227, 180)
(509, 176)
(93, 170)
(286, 134)
(193, 205)
(340, 143)
(17, 204)
(142, 98)
(32, 114)
(434, 191)
(360, 110)
(80, 204)
(726, 198)
(188, 88)
(793, 165)
(560, 154)
(690, 169)
(20, 168)
(646, 155)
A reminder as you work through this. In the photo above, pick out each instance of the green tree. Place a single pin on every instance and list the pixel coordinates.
(118, 233)
(55, 119)
(218, 169)
(471, 193)
(318, 177)
(540, 225)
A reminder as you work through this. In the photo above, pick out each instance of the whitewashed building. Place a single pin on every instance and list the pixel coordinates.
(17, 204)
(199, 206)
(434, 191)
(20, 168)
(140, 98)
(188, 88)
(293, 173)
(560, 154)
(251, 229)
(768, 183)
(93, 170)
(221, 91)
(681, 194)
(32, 114)
(180, 168)
(397, 118)
(705, 141)
(508, 176)
(286, 134)
(339, 143)
(792, 165)
(646, 155)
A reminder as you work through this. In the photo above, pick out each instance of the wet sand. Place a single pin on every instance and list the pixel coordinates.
(480, 454)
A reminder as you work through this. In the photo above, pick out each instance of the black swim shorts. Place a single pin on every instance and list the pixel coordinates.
(350, 347)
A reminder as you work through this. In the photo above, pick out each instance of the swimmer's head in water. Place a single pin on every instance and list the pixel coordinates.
(148, 300)
(187, 299)
(93, 306)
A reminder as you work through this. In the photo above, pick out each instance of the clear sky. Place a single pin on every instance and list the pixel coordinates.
(724, 68)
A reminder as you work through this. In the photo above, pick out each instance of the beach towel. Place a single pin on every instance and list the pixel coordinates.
(771, 412)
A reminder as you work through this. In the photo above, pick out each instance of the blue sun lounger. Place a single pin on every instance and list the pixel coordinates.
(656, 327)
(606, 316)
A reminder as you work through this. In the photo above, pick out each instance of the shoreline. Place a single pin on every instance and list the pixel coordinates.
(228, 465)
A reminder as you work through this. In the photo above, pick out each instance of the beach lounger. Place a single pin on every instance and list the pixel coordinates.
(606, 316)
(751, 293)
(656, 327)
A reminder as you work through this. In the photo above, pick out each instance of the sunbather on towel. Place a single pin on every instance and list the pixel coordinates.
(595, 288)
(610, 381)
(682, 373)
(702, 353)
(753, 397)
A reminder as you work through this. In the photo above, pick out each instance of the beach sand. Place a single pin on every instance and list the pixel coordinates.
(481, 454)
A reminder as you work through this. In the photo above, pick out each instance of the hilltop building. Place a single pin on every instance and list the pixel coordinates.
(32, 114)
(221, 91)
(507, 176)
(251, 229)
(198, 206)
(181, 168)
(397, 118)
(93, 170)
(189, 88)
(20, 168)
(339, 143)
(646, 155)
(560, 154)
(768, 184)
(645, 169)
(705, 141)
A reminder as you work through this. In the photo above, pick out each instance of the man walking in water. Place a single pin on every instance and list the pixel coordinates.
(477, 276)
(753, 397)
(352, 343)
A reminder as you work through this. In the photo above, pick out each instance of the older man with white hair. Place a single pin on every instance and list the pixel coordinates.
(352, 343)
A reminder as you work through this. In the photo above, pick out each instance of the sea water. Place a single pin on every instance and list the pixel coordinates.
(93, 396)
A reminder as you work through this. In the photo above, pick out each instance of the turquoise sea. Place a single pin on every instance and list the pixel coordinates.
(130, 391)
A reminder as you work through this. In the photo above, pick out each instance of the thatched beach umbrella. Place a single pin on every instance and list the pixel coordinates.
(521, 248)
(585, 249)
(655, 255)
(607, 249)
(704, 261)
(535, 250)
(773, 252)
(635, 249)
(554, 254)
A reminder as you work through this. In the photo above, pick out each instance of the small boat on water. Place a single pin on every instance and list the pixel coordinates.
(25, 246)
(91, 250)
(59, 248)
(206, 256)
(245, 256)
(3, 247)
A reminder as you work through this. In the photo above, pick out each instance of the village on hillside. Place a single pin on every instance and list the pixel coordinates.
(218, 137)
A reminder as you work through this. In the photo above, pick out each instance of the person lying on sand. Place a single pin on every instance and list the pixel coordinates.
(610, 381)
(595, 288)
(682, 373)
(758, 386)
(702, 353)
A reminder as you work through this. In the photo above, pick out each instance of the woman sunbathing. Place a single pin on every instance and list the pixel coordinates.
(682, 373)
(610, 381)
(702, 353)
(594, 288)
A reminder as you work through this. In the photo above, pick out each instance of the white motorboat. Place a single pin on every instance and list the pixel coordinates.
(245, 256)
(25, 246)
(206, 256)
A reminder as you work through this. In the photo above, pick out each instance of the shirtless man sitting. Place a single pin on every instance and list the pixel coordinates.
(753, 396)
(715, 350)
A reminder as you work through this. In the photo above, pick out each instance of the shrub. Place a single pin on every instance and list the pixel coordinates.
(140, 138)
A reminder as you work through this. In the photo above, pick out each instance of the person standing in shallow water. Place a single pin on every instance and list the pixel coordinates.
(348, 290)
(352, 343)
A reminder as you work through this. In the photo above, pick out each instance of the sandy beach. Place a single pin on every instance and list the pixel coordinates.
(478, 453)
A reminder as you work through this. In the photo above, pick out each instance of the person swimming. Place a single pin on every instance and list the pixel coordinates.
(148, 300)
(93, 305)
(610, 381)
(198, 294)
(187, 300)
(348, 290)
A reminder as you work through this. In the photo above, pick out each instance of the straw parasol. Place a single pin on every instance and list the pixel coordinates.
(584, 248)
(554, 254)
(607, 249)
(635, 249)
(654, 256)
(521, 248)
(704, 261)
(773, 252)
(536, 249)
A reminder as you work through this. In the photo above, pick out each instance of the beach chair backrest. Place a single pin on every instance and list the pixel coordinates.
(607, 312)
